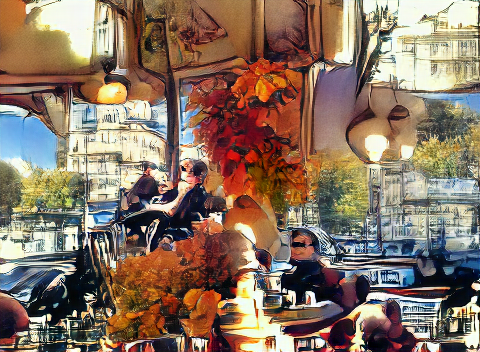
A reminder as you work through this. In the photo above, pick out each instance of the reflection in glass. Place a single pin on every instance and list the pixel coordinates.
(438, 51)
(153, 49)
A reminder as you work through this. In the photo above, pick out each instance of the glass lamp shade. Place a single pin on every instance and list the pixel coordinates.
(112, 93)
(375, 145)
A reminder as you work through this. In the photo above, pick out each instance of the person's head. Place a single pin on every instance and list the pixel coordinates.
(156, 33)
(393, 312)
(341, 334)
(200, 171)
(378, 341)
(186, 168)
(154, 40)
(304, 245)
(148, 167)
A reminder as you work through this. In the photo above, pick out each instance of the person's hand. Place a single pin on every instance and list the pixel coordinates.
(184, 187)
(166, 243)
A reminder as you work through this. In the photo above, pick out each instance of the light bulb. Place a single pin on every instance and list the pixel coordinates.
(375, 145)
(406, 151)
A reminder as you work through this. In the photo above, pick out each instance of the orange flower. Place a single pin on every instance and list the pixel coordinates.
(264, 89)
(279, 81)
(260, 67)
(295, 78)
(232, 155)
(235, 183)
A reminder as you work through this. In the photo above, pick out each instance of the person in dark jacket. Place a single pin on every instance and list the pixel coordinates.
(190, 208)
(310, 274)
(144, 189)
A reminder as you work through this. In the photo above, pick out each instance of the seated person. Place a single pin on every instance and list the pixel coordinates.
(167, 195)
(187, 181)
(176, 221)
(160, 208)
(144, 189)
(310, 274)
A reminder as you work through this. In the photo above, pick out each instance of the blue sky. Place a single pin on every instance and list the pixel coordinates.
(470, 100)
(27, 138)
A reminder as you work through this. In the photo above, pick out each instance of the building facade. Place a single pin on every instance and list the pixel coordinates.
(410, 212)
(109, 143)
(447, 57)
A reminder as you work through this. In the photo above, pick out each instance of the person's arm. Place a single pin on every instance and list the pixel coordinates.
(171, 208)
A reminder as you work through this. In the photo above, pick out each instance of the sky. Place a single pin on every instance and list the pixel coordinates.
(410, 11)
(469, 100)
(370, 5)
(26, 138)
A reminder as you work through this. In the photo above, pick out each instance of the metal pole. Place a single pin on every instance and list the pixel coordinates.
(379, 208)
(427, 228)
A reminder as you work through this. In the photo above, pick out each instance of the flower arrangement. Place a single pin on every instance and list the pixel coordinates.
(237, 118)
(156, 293)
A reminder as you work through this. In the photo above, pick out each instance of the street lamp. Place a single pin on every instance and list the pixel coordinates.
(375, 144)
(115, 89)
(112, 93)
(383, 135)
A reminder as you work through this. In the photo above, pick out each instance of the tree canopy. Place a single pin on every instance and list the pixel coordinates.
(449, 141)
(10, 187)
(446, 120)
(341, 190)
(53, 189)
(441, 158)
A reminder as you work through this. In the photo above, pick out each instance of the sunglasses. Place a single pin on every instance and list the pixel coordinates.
(301, 245)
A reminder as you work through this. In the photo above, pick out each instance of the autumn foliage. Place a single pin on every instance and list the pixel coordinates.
(152, 290)
(237, 118)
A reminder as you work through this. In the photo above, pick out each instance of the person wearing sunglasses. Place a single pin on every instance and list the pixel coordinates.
(310, 273)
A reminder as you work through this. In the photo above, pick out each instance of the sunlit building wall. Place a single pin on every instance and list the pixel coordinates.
(447, 57)
(104, 137)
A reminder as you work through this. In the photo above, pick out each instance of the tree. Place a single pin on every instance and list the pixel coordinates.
(341, 192)
(445, 120)
(448, 145)
(10, 188)
(58, 189)
(472, 144)
(441, 158)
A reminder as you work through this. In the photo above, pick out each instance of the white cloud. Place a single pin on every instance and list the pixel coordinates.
(24, 168)
(13, 110)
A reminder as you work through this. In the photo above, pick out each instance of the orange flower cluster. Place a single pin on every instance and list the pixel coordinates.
(171, 284)
(237, 119)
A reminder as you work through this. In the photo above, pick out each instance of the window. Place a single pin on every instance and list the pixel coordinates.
(105, 30)
(434, 69)
(463, 48)
(407, 48)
